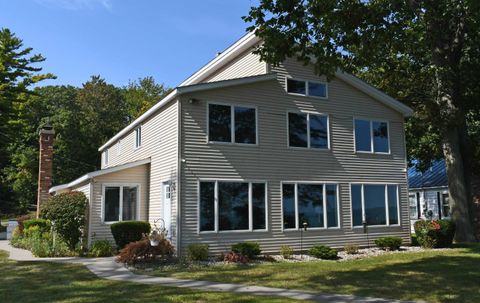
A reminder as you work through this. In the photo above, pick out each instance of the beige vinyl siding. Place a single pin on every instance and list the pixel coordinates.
(160, 144)
(245, 65)
(85, 189)
(136, 175)
(271, 160)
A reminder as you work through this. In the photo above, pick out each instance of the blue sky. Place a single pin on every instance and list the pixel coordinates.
(123, 40)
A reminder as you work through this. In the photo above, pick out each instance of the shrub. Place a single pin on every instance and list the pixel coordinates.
(286, 251)
(234, 257)
(101, 248)
(351, 249)
(434, 233)
(197, 252)
(323, 252)
(40, 243)
(389, 243)
(68, 211)
(248, 249)
(129, 231)
(43, 225)
(22, 218)
(142, 251)
(415, 240)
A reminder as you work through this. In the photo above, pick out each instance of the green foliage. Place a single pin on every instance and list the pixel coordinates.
(142, 251)
(323, 252)
(247, 249)
(197, 252)
(389, 243)
(286, 251)
(435, 233)
(129, 231)
(43, 225)
(40, 243)
(351, 249)
(67, 212)
(101, 248)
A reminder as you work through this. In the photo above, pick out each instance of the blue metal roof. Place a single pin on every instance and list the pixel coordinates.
(435, 176)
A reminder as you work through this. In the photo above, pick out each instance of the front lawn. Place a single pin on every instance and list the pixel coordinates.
(451, 275)
(53, 282)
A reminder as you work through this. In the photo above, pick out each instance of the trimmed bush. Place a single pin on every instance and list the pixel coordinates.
(286, 251)
(233, 257)
(197, 252)
(351, 249)
(247, 249)
(389, 243)
(434, 233)
(101, 248)
(43, 225)
(323, 252)
(129, 231)
(68, 212)
(142, 251)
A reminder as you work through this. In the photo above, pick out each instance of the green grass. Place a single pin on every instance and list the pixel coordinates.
(52, 282)
(434, 276)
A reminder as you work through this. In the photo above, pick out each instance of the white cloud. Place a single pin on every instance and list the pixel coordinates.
(77, 4)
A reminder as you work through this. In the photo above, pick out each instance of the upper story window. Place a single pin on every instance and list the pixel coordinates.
(371, 136)
(308, 130)
(232, 124)
(307, 88)
(120, 203)
(375, 204)
(105, 157)
(138, 137)
(119, 147)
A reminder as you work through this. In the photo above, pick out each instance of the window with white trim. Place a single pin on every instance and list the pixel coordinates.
(138, 137)
(120, 203)
(232, 206)
(313, 203)
(308, 130)
(412, 204)
(371, 136)
(105, 157)
(307, 88)
(375, 204)
(232, 124)
(119, 147)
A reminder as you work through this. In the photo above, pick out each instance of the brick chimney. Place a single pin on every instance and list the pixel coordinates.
(45, 167)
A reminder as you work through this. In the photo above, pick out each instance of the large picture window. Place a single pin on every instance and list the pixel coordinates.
(371, 136)
(232, 124)
(120, 203)
(313, 203)
(375, 204)
(308, 130)
(230, 206)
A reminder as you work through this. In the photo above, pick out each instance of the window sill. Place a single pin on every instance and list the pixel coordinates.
(232, 231)
(307, 96)
(377, 226)
(231, 143)
(312, 229)
(372, 153)
(309, 148)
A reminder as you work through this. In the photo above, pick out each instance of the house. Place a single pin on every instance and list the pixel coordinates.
(246, 151)
(428, 192)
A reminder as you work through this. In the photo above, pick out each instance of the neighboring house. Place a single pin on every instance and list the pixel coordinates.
(428, 192)
(246, 151)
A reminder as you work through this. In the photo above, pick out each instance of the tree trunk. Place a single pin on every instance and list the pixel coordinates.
(457, 185)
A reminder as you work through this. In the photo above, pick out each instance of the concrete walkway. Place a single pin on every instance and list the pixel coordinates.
(107, 268)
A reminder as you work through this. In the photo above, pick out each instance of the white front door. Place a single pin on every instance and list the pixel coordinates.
(167, 208)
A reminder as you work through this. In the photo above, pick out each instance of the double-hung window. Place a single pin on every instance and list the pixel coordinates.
(138, 137)
(232, 124)
(307, 88)
(120, 203)
(371, 136)
(313, 203)
(375, 204)
(412, 204)
(232, 206)
(308, 130)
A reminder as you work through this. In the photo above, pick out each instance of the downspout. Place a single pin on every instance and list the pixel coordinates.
(90, 199)
(179, 177)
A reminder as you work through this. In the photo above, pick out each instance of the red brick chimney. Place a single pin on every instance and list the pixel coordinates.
(45, 167)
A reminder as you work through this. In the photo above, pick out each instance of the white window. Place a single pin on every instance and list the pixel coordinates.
(307, 88)
(445, 205)
(413, 206)
(119, 147)
(120, 202)
(375, 204)
(371, 136)
(232, 206)
(138, 137)
(308, 130)
(313, 203)
(105, 157)
(232, 124)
